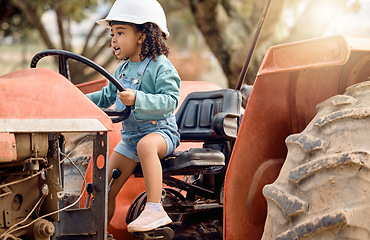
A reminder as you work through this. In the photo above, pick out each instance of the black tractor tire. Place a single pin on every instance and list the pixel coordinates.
(323, 189)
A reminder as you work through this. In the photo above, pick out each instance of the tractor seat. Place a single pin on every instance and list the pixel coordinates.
(211, 117)
(193, 161)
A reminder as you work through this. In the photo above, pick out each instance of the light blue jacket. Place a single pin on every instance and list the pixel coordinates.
(158, 95)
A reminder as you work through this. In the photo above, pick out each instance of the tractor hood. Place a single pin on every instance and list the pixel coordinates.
(41, 100)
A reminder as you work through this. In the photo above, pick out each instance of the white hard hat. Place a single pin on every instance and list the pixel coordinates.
(138, 12)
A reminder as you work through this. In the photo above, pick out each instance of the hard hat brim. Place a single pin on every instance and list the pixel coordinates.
(105, 23)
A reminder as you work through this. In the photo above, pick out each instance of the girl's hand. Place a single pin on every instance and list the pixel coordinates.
(127, 97)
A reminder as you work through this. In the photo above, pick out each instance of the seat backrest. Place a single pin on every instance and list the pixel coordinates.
(194, 117)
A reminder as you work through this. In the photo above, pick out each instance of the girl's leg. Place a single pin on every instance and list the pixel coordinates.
(126, 166)
(150, 150)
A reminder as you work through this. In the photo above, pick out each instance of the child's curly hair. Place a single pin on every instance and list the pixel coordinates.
(153, 44)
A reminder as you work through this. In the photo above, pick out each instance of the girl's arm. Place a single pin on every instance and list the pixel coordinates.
(166, 98)
(105, 97)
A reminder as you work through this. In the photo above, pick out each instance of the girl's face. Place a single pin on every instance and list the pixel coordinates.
(126, 42)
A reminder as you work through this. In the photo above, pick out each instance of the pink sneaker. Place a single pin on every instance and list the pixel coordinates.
(149, 220)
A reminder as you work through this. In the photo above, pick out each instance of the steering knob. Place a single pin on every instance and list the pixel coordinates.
(116, 173)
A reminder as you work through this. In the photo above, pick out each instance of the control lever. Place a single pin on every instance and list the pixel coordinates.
(89, 187)
(115, 175)
(89, 190)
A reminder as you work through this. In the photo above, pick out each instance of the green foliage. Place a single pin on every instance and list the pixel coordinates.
(78, 10)
(72, 10)
(11, 19)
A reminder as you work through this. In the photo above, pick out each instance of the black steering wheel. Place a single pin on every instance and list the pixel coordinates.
(63, 57)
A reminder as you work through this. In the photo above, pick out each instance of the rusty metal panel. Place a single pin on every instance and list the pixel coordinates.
(7, 147)
(89, 223)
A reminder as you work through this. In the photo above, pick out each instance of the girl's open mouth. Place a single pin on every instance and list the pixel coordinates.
(117, 51)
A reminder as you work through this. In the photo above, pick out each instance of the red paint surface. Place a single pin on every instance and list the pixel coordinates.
(38, 93)
(292, 80)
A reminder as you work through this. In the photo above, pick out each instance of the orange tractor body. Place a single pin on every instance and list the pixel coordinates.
(291, 81)
(37, 106)
(44, 95)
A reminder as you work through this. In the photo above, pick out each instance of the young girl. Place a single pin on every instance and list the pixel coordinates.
(138, 30)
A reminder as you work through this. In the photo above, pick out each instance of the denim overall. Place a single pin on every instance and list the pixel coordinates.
(133, 129)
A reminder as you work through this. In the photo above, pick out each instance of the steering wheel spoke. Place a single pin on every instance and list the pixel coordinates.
(64, 66)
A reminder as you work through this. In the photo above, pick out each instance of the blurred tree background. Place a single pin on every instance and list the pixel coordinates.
(209, 39)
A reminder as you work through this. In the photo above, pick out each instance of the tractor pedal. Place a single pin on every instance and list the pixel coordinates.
(164, 233)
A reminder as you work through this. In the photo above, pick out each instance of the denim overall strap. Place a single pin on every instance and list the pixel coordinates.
(123, 69)
(140, 70)
(142, 67)
(132, 83)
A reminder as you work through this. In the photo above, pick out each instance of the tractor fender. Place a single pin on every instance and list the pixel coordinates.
(292, 80)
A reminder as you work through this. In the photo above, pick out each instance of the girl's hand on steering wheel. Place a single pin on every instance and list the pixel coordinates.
(127, 97)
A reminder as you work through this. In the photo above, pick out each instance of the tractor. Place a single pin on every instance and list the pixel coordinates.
(294, 164)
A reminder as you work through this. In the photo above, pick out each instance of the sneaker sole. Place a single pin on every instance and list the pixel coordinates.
(156, 224)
